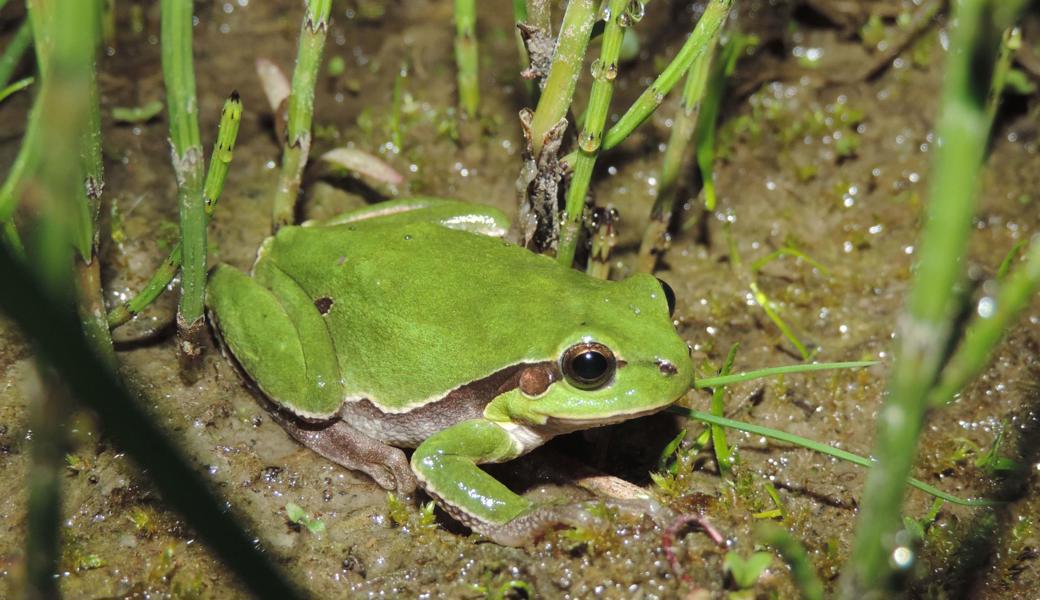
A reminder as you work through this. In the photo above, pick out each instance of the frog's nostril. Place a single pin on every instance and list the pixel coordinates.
(666, 367)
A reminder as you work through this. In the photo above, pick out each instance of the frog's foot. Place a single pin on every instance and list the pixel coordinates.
(533, 524)
(537, 521)
(348, 447)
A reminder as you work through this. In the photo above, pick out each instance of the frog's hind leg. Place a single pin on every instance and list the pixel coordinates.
(262, 326)
(453, 214)
(265, 334)
(348, 447)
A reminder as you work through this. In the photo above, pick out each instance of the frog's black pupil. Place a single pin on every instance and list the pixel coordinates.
(669, 295)
(589, 366)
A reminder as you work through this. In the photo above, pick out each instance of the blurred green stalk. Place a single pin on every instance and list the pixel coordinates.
(14, 51)
(66, 44)
(604, 71)
(566, 67)
(301, 111)
(55, 335)
(188, 163)
(655, 237)
(926, 326)
(793, 552)
(466, 59)
(220, 160)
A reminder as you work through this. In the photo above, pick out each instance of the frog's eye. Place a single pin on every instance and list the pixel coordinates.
(669, 295)
(588, 365)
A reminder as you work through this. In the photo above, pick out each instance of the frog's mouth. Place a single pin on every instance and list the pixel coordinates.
(561, 425)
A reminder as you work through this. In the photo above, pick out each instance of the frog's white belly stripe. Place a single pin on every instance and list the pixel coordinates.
(527, 438)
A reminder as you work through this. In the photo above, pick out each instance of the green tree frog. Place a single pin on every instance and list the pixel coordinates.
(413, 324)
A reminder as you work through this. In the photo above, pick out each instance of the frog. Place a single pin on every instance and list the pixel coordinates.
(414, 325)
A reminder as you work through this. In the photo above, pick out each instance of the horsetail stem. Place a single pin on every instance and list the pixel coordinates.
(604, 71)
(926, 327)
(300, 112)
(655, 237)
(563, 75)
(466, 55)
(182, 105)
(219, 162)
(704, 32)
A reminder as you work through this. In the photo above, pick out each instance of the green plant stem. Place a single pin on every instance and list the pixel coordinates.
(466, 56)
(90, 300)
(1010, 41)
(700, 40)
(297, 144)
(655, 237)
(14, 52)
(566, 66)
(15, 87)
(711, 382)
(797, 440)
(62, 223)
(47, 416)
(723, 456)
(985, 332)
(926, 326)
(188, 164)
(520, 16)
(55, 335)
(711, 105)
(604, 71)
(793, 552)
(220, 160)
(539, 14)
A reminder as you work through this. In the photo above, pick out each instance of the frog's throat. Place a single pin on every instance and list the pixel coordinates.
(529, 436)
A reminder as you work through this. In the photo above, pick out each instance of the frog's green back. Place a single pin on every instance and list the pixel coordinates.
(415, 308)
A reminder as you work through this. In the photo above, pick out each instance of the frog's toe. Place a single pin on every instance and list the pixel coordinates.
(535, 523)
(394, 474)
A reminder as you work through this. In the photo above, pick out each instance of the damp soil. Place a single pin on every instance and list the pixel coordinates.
(809, 158)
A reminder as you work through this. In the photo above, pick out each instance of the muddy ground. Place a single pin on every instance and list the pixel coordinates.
(813, 155)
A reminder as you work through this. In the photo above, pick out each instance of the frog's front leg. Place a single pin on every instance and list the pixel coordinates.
(446, 465)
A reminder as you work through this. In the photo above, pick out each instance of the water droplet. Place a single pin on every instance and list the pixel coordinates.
(407, 236)
(596, 69)
(610, 72)
(623, 20)
(658, 97)
(635, 10)
(588, 141)
(605, 15)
